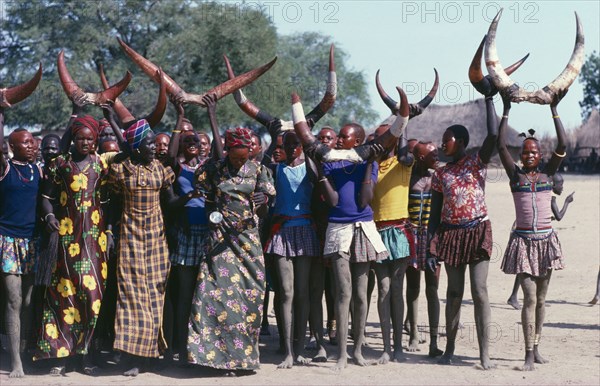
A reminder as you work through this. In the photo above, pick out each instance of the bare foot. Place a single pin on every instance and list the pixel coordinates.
(529, 360)
(360, 360)
(514, 302)
(58, 371)
(413, 345)
(487, 364)
(132, 372)
(287, 363)
(399, 356)
(341, 364)
(537, 357)
(446, 359)
(321, 356)
(17, 373)
(383, 359)
(434, 351)
(301, 360)
(594, 300)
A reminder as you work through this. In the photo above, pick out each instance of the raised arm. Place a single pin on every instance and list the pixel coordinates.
(77, 104)
(274, 128)
(561, 145)
(404, 156)
(211, 106)
(370, 178)
(2, 160)
(176, 136)
(505, 157)
(489, 143)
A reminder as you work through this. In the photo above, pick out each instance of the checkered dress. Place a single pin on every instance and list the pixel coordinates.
(143, 257)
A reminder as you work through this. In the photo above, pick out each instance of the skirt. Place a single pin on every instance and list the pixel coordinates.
(419, 259)
(17, 255)
(294, 241)
(361, 249)
(398, 238)
(456, 246)
(533, 254)
(191, 246)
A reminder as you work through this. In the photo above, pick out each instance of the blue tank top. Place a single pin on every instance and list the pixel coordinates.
(195, 210)
(18, 200)
(294, 191)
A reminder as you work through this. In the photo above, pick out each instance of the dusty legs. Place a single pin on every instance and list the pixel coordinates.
(532, 316)
(413, 281)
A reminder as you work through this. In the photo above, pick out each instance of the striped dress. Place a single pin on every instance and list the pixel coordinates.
(419, 207)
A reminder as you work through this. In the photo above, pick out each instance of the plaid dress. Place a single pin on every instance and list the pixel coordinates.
(143, 257)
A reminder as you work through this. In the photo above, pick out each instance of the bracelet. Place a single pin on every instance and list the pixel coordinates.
(505, 116)
(323, 179)
(560, 155)
(555, 116)
(48, 197)
(46, 216)
(108, 231)
(176, 131)
(74, 115)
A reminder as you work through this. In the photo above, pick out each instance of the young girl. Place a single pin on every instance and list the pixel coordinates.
(533, 250)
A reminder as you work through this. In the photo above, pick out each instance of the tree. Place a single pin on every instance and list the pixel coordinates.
(590, 78)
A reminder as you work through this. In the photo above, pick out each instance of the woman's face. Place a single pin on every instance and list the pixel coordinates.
(238, 156)
(449, 143)
(190, 144)
(203, 146)
(530, 154)
(84, 141)
(279, 153)
(107, 134)
(147, 149)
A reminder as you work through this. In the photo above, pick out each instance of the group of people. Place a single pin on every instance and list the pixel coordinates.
(163, 245)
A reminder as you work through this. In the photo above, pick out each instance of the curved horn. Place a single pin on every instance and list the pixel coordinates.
(122, 112)
(244, 103)
(330, 93)
(16, 94)
(482, 83)
(71, 87)
(544, 95)
(161, 104)
(395, 106)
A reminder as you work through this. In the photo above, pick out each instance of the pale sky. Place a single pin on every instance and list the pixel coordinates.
(406, 39)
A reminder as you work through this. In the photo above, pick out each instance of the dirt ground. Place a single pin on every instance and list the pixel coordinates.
(570, 340)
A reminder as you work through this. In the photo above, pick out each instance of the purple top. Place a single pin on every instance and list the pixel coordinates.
(532, 200)
(347, 178)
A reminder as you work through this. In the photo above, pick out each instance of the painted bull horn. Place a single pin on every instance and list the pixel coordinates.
(13, 95)
(482, 83)
(122, 112)
(422, 104)
(313, 117)
(173, 88)
(71, 88)
(546, 94)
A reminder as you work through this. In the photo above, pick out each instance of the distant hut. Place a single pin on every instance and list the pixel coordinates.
(583, 154)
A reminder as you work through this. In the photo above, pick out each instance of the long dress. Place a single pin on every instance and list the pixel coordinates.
(227, 306)
(72, 301)
(143, 264)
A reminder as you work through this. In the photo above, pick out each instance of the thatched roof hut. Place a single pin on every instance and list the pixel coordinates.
(587, 136)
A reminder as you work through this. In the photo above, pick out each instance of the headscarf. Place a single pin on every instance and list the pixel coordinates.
(87, 121)
(240, 136)
(102, 125)
(136, 133)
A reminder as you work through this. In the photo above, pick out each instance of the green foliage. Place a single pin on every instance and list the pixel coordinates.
(590, 77)
(187, 39)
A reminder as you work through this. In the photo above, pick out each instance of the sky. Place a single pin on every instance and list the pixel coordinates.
(407, 39)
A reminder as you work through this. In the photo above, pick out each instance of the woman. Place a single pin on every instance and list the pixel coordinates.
(227, 306)
(533, 249)
(142, 182)
(71, 195)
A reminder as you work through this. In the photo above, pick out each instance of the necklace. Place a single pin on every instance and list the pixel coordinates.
(351, 171)
(535, 177)
(22, 177)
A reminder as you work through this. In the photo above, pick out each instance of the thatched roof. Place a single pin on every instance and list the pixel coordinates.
(587, 136)
(430, 126)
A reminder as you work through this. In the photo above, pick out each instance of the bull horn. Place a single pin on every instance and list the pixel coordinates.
(546, 94)
(220, 91)
(122, 112)
(330, 93)
(161, 104)
(244, 103)
(71, 88)
(16, 94)
(482, 83)
(395, 106)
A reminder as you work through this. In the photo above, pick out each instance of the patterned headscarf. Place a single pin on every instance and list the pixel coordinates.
(136, 133)
(240, 136)
(87, 121)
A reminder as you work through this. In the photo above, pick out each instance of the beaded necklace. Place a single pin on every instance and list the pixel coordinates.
(22, 177)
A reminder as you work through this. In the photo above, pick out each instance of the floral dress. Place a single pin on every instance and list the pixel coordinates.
(72, 301)
(227, 306)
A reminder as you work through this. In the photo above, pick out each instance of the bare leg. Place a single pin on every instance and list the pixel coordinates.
(264, 325)
(383, 272)
(360, 280)
(478, 273)
(330, 303)
(183, 307)
(527, 318)
(285, 271)
(302, 267)
(413, 287)
(596, 298)
(343, 285)
(433, 310)
(12, 315)
(397, 301)
(540, 314)
(513, 300)
(317, 283)
(454, 295)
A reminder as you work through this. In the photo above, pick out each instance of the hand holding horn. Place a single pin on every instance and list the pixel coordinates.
(13, 95)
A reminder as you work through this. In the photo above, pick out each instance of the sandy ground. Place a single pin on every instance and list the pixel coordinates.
(571, 336)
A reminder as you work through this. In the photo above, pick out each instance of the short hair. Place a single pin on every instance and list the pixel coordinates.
(359, 130)
(11, 137)
(460, 132)
(50, 136)
(558, 179)
(255, 134)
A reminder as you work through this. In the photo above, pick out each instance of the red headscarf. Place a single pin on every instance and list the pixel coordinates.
(240, 136)
(87, 121)
(102, 125)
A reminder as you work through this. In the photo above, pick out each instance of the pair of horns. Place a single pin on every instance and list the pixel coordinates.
(358, 154)
(13, 95)
(125, 115)
(500, 76)
(395, 106)
(71, 88)
(313, 116)
(174, 89)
